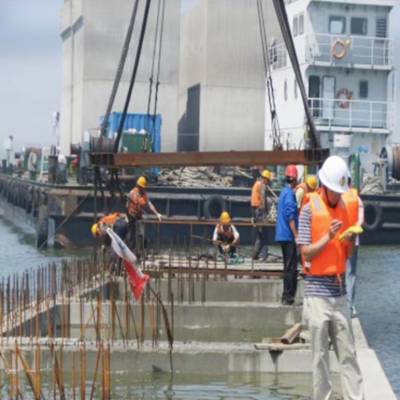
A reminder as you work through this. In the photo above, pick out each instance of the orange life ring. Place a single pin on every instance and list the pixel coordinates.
(339, 49)
(344, 96)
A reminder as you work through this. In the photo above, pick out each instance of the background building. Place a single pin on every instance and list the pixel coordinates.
(93, 33)
(212, 92)
(346, 58)
(222, 85)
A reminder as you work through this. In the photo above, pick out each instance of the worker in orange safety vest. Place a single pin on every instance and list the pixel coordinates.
(137, 204)
(259, 210)
(226, 236)
(303, 189)
(325, 246)
(116, 221)
(356, 215)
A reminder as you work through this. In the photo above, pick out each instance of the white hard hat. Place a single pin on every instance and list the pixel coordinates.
(334, 174)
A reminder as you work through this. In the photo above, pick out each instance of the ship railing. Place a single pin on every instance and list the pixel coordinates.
(349, 50)
(352, 113)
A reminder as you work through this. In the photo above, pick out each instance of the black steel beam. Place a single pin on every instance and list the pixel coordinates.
(215, 158)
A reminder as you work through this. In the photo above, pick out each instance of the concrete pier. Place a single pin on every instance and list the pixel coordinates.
(223, 334)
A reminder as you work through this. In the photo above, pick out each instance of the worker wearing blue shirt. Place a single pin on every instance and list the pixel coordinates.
(286, 234)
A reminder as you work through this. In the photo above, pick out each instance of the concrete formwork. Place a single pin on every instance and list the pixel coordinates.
(262, 291)
(209, 322)
(216, 337)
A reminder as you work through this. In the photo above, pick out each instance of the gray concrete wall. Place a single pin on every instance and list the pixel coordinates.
(209, 322)
(235, 290)
(94, 53)
(72, 36)
(221, 52)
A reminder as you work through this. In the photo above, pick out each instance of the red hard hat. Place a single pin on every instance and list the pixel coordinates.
(291, 171)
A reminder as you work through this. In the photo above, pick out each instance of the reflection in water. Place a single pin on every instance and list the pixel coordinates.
(222, 387)
(190, 387)
(162, 386)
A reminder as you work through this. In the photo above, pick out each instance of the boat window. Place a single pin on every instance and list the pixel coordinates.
(363, 90)
(358, 26)
(337, 25)
(285, 90)
(314, 94)
(381, 27)
(295, 26)
(301, 24)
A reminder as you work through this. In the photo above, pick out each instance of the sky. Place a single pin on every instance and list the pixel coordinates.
(30, 70)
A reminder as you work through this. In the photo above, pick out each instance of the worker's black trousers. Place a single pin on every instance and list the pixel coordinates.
(136, 239)
(261, 244)
(232, 249)
(289, 253)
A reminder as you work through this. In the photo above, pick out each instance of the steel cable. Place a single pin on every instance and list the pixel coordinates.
(280, 10)
(120, 68)
(133, 77)
(268, 73)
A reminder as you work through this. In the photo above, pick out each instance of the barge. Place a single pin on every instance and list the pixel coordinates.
(67, 212)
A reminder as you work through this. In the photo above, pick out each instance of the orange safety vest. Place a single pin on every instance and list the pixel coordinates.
(351, 200)
(226, 234)
(306, 197)
(257, 194)
(109, 219)
(137, 203)
(332, 259)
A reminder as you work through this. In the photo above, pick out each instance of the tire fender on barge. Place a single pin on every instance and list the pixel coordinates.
(373, 216)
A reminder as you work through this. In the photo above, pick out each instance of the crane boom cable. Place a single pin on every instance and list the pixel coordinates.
(275, 128)
(159, 58)
(153, 58)
(133, 77)
(280, 10)
(120, 68)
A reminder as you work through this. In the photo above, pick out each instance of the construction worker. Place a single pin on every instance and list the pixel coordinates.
(353, 200)
(259, 209)
(136, 205)
(226, 236)
(303, 189)
(325, 246)
(286, 234)
(116, 221)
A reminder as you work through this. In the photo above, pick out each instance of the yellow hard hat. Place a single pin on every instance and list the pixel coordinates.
(94, 229)
(225, 218)
(142, 182)
(266, 174)
(312, 182)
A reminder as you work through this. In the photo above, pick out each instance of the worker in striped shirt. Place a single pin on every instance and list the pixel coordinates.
(325, 246)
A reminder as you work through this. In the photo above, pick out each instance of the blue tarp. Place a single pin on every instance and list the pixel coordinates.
(150, 123)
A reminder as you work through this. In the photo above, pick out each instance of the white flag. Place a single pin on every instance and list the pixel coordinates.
(122, 250)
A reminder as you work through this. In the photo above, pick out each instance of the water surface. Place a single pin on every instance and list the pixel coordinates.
(377, 301)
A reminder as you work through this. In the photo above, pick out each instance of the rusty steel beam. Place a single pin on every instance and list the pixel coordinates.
(215, 158)
(198, 222)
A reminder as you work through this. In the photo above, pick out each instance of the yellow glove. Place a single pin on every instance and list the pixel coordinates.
(355, 230)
